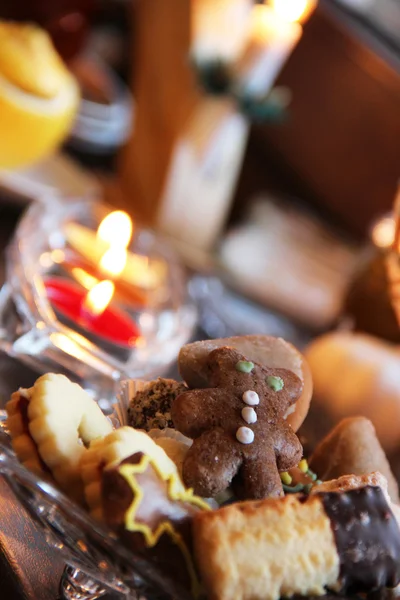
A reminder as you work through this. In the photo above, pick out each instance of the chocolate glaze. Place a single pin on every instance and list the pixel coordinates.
(367, 538)
(156, 506)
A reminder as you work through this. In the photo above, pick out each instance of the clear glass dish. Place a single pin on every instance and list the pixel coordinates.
(96, 562)
(32, 331)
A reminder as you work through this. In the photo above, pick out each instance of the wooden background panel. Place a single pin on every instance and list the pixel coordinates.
(342, 140)
(165, 94)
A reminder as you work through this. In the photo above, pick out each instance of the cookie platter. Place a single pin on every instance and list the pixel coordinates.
(200, 488)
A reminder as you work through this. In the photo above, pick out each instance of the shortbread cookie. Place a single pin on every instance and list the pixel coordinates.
(22, 442)
(151, 510)
(175, 444)
(62, 420)
(111, 450)
(150, 408)
(352, 448)
(240, 436)
(353, 482)
(298, 545)
(270, 352)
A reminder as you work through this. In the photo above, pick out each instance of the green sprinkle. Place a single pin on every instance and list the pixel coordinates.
(312, 475)
(293, 490)
(303, 465)
(244, 366)
(308, 488)
(275, 383)
(318, 482)
(286, 478)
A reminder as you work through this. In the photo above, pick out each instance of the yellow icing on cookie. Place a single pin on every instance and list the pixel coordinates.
(176, 492)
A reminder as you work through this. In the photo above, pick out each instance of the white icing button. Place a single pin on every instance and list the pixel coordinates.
(251, 398)
(245, 435)
(249, 415)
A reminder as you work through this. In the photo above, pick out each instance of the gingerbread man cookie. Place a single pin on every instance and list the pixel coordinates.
(240, 435)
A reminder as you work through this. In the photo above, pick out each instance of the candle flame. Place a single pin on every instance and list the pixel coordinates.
(113, 260)
(99, 297)
(293, 11)
(84, 278)
(116, 229)
(383, 233)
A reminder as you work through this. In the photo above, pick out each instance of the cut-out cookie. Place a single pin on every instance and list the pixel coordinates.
(270, 352)
(109, 451)
(228, 446)
(152, 512)
(62, 419)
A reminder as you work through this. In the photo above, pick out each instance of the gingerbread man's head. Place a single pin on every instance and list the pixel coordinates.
(239, 428)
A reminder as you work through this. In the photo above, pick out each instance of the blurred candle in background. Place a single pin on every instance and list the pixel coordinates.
(252, 42)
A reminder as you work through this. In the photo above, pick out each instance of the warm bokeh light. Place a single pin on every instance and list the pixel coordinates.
(113, 260)
(383, 233)
(116, 229)
(293, 11)
(99, 297)
(84, 278)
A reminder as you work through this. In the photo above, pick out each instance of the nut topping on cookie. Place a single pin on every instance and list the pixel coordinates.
(251, 398)
(249, 458)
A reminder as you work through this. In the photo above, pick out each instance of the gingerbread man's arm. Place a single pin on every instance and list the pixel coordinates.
(288, 449)
(196, 411)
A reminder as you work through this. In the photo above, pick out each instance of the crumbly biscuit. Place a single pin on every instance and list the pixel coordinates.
(150, 408)
(342, 541)
(266, 550)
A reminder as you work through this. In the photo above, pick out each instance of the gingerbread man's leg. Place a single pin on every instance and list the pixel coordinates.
(258, 478)
(211, 463)
(288, 449)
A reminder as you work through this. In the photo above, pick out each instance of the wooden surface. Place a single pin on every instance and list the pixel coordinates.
(165, 93)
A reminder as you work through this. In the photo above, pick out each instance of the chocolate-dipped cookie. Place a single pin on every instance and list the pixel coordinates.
(345, 542)
(240, 435)
(152, 513)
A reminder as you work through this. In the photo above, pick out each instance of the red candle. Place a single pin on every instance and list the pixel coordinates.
(112, 324)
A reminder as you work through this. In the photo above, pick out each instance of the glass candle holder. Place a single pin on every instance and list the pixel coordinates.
(87, 296)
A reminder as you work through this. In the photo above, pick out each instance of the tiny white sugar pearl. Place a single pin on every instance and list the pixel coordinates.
(249, 415)
(251, 398)
(245, 435)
